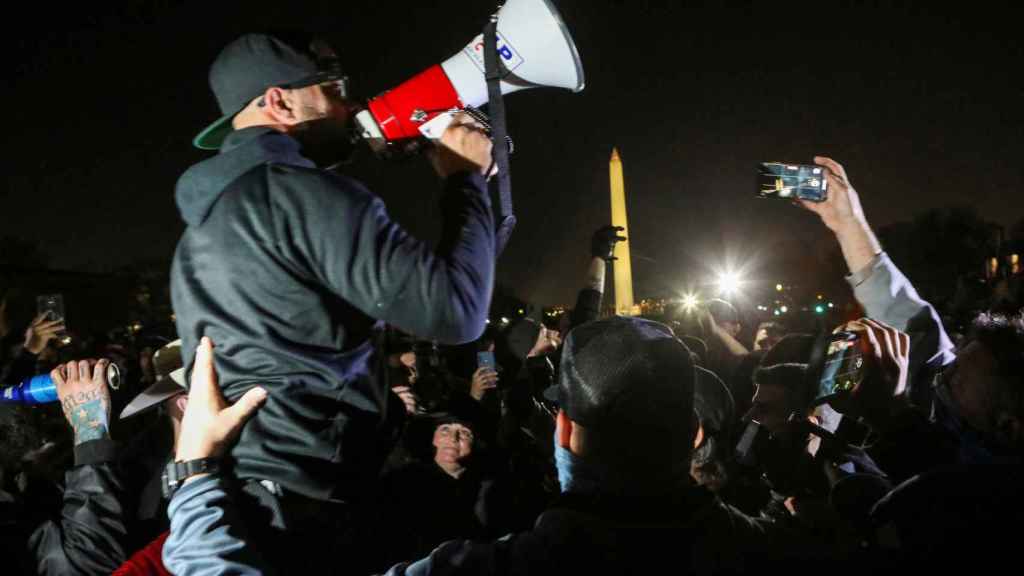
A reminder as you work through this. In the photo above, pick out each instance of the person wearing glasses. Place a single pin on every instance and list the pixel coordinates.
(291, 267)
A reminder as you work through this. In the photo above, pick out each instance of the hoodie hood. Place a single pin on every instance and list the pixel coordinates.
(201, 185)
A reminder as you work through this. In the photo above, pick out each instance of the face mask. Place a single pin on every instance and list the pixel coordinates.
(327, 142)
(574, 475)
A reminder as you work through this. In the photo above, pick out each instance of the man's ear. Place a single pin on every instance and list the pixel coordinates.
(698, 438)
(279, 104)
(563, 430)
(181, 402)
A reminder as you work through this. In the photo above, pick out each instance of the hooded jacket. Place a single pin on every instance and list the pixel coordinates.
(288, 269)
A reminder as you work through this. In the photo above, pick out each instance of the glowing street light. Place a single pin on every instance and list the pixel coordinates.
(778, 287)
(784, 309)
(729, 282)
(690, 302)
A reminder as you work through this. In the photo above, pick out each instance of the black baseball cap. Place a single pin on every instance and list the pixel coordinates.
(245, 68)
(631, 377)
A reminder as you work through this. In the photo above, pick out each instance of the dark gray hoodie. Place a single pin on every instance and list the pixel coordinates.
(288, 269)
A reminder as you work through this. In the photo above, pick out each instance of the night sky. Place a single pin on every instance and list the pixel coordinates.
(923, 108)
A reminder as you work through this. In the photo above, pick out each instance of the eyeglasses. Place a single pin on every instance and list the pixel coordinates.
(337, 89)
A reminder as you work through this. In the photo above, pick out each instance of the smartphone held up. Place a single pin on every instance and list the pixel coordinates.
(51, 308)
(837, 364)
(792, 181)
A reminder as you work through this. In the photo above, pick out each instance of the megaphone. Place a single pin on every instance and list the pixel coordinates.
(535, 50)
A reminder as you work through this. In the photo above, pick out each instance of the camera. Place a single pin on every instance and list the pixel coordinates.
(786, 461)
(792, 181)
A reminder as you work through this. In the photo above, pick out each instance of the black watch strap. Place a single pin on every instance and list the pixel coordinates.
(175, 473)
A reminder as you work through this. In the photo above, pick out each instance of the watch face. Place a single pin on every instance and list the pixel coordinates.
(175, 473)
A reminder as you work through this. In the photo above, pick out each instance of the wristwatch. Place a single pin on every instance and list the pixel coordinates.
(175, 473)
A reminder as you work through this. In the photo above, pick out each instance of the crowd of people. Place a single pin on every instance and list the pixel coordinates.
(337, 400)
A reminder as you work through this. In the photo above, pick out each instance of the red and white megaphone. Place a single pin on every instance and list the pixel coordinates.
(534, 48)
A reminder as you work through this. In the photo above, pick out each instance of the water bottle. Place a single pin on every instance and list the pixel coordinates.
(41, 389)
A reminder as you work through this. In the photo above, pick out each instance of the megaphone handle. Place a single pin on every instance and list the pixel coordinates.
(499, 135)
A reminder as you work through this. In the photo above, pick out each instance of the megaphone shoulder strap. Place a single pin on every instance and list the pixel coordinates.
(499, 134)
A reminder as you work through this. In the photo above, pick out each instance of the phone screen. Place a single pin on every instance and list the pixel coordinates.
(789, 181)
(486, 358)
(52, 305)
(844, 364)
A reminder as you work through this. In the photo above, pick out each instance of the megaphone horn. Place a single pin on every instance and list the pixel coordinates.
(535, 51)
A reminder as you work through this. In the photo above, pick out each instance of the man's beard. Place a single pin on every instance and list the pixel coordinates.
(326, 141)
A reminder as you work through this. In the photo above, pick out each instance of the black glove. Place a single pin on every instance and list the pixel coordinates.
(602, 245)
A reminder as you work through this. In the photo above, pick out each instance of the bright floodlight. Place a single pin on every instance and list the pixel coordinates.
(690, 302)
(729, 282)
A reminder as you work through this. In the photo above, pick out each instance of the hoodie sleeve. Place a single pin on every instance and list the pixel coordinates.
(887, 295)
(207, 535)
(350, 243)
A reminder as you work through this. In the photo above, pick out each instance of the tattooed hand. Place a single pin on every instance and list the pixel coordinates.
(82, 390)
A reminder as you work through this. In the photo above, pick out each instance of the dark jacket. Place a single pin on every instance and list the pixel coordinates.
(697, 534)
(288, 269)
(694, 533)
(89, 536)
(587, 309)
(422, 507)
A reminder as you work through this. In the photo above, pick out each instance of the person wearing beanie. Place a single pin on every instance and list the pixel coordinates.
(715, 410)
(437, 496)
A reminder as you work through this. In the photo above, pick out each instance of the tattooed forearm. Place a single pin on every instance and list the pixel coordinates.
(88, 414)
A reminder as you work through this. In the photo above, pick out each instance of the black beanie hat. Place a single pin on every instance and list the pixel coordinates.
(629, 377)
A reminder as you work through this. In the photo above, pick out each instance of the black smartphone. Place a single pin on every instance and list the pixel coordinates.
(792, 181)
(844, 366)
(50, 305)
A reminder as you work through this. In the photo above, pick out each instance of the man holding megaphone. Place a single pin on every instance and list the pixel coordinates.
(290, 267)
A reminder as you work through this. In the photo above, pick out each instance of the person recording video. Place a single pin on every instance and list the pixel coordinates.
(973, 392)
(290, 266)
